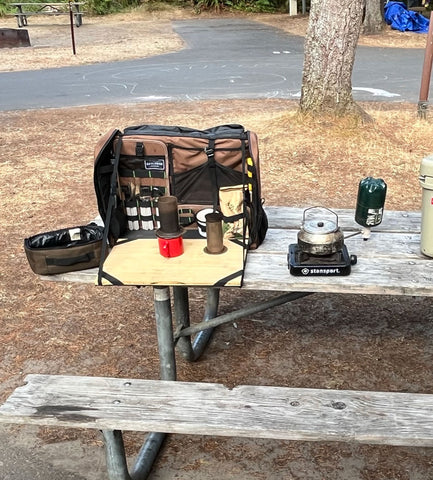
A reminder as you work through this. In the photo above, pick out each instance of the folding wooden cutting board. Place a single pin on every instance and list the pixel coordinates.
(138, 262)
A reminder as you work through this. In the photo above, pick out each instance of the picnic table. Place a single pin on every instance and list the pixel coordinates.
(389, 263)
(26, 9)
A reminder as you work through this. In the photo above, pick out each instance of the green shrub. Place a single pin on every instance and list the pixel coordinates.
(4, 8)
(102, 7)
(242, 5)
(254, 6)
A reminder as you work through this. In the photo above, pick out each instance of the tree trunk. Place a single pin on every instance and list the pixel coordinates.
(330, 45)
(373, 19)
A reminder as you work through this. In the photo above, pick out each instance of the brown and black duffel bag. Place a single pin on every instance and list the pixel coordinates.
(217, 168)
(199, 167)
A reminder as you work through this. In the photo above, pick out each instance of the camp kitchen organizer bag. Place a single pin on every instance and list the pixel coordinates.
(217, 168)
(65, 250)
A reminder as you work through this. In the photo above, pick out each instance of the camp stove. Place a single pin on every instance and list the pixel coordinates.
(320, 250)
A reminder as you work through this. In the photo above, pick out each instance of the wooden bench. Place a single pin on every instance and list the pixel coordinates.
(213, 409)
(45, 8)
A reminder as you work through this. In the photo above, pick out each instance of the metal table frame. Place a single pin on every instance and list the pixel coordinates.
(191, 350)
(390, 263)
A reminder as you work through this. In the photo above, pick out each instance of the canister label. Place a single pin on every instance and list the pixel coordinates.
(374, 216)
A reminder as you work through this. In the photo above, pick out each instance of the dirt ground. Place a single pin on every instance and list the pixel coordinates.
(339, 341)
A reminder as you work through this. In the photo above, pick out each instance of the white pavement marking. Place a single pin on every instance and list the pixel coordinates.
(377, 92)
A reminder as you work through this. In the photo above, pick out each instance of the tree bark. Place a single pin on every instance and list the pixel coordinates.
(373, 18)
(332, 36)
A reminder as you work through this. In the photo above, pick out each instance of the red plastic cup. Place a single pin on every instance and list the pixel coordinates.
(170, 247)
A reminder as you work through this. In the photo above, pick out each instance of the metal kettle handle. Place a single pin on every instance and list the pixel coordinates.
(321, 208)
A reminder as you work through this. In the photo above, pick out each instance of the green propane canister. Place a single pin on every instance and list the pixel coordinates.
(426, 182)
(369, 204)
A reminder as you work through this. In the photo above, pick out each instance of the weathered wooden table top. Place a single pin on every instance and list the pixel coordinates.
(389, 263)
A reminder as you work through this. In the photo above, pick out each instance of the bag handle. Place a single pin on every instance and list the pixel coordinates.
(67, 262)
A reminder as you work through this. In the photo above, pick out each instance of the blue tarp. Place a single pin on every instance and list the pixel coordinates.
(400, 18)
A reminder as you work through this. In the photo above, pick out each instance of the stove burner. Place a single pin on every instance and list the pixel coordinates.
(304, 264)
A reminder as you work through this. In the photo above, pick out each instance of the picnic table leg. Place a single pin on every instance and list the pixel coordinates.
(117, 468)
(192, 351)
(116, 460)
(21, 18)
(164, 329)
(78, 16)
(163, 317)
(147, 455)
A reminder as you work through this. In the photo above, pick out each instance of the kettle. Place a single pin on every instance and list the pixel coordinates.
(319, 235)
